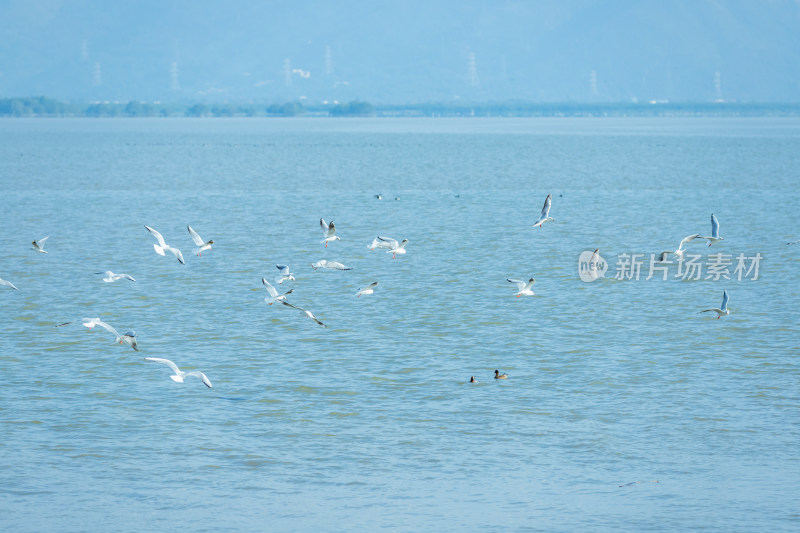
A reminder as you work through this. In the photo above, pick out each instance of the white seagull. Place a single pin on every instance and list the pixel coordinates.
(794, 242)
(333, 265)
(369, 289)
(128, 338)
(523, 287)
(306, 312)
(273, 294)
(545, 216)
(201, 244)
(714, 231)
(161, 246)
(178, 374)
(680, 251)
(723, 309)
(393, 247)
(39, 245)
(8, 284)
(329, 230)
(285, 274)
(110, 277)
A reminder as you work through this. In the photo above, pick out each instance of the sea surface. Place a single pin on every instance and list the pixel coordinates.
(371, 424)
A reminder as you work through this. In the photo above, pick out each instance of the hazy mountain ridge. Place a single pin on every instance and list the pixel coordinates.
(414, 51)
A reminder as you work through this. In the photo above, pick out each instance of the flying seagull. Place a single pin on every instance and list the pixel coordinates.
(545, 216)
(39, 245)
(273, 294)
(723, 309)
(332, 265)
(128, 338)
(714, 231)
(162, 246)
(178, 374)
(329, 230)
(680, 251)
(201, 244)
(393, 247)
(523, 287)
(369, 289)
(285, 274)
(110, 277)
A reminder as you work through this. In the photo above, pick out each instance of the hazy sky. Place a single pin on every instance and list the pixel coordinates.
(401, 52)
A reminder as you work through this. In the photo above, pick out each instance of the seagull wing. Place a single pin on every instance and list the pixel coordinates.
(392, 243)
(8, 284)
(202, 377)
(127, 276)
(283, 269)
(157, 235)
(167, 362)
(287, 304)
(98, 322)
(270, 289)
(331, 230)
(546, 207)
(195, 237)
(688, 239)
(724, 305)
(41, 241)
(714, 226)
(324, 226)
(177, 253)
(520, 284)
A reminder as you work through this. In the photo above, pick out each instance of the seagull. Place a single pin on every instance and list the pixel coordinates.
(393, 246)
(795, 242)
(179, 375)
(333, 265)
(714, 231)
(8, 284)
(369, 289)
(128, 338)
(545, 216)
(308, 313)
(523, 287)
(39, 245)
(110, 277)
(202, 245)
(161, 246)
(329, 230)
(723, 309)
(498, 375)
(274, 296)
(285, 274)
(679, 252)
(472, 379)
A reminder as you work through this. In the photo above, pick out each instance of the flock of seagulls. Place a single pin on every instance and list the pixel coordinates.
(393, 246)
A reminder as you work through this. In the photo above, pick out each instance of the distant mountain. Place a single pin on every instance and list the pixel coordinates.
(401, 52)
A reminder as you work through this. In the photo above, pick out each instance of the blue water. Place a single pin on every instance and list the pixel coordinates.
(370, 423)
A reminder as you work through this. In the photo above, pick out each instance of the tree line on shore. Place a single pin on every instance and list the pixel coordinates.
(41, 106)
